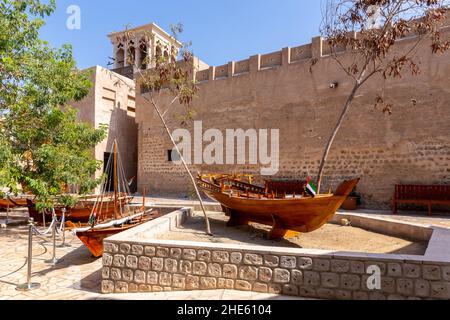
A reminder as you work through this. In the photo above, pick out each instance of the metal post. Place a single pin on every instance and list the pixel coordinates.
(63, 230)
(54, 261)
(7, 215)
(29, 285)
(43, 218)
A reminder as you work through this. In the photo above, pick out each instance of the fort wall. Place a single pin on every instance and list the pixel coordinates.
(285, 90)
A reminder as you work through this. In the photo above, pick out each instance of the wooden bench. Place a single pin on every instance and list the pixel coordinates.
(421, 195)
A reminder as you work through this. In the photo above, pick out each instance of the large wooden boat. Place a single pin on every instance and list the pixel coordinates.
(298, 212)
(104, 223)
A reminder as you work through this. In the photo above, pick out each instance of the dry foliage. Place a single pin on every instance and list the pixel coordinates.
(370, 29)
(170, 74)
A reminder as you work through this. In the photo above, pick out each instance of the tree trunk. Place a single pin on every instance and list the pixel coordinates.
(208, 226)
(333, 136)
(161, 117)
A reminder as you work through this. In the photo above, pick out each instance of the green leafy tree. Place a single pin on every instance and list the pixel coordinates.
(43, 147)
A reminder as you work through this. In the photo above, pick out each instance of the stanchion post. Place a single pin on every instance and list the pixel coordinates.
(54, 261)
(7, 215)
(43, 219)
(29, 285)
(63, 230)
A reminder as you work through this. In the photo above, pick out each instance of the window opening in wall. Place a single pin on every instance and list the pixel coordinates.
(173, 155)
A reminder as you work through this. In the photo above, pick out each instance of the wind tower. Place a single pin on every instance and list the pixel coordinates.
(135, 48)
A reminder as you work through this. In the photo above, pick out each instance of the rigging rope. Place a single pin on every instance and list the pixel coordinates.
(97, 209)
(121, 190)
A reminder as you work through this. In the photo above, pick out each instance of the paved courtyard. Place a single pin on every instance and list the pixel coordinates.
(78, 275)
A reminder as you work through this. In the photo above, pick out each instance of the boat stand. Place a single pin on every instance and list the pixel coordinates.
(277, 232)
(4, 224)
(236, 219)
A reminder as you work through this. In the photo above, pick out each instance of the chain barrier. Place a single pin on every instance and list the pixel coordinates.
(62, 231)
(59, 231)
(33, 230)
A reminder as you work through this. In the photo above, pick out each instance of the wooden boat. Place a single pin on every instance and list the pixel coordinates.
(103, 224)
(82, 210)
(245, 203)
(13, 202)
(93, 238)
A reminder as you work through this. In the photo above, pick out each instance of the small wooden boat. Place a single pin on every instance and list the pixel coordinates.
(93, 238)
(14, 202)
(245, 203)
(82, 210)
(104, 223)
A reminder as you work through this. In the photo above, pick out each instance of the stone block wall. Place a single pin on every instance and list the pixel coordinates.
(129, 267)
(134, 262)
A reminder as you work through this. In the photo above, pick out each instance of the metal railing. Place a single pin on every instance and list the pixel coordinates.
(125, 71)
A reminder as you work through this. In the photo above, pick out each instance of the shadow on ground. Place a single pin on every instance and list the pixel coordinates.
(78, 257)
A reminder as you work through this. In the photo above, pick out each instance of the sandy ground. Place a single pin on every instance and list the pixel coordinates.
(329, 237)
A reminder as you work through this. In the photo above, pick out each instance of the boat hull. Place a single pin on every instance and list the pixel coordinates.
(302, 215)
(79, 214)
(93, 239)
(6, 203)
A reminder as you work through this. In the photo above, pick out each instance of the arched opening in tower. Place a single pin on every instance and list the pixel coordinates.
(143, 61)
(120, 58)
(131, 55)
(158, 53)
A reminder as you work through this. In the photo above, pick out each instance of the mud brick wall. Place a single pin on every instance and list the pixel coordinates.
(134, 267)
(410, 146)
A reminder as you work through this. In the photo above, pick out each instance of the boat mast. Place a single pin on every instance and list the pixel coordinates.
(116, 182)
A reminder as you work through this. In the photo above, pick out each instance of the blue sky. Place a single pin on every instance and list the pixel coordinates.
(220, 30)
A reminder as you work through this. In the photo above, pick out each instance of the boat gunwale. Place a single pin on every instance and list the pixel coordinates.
(264, 198)
(322, 196)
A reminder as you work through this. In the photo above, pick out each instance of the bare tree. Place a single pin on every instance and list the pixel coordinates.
(369, 30)
(171, 77)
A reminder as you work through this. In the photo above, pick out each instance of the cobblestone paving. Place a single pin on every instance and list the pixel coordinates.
(78, 276)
